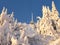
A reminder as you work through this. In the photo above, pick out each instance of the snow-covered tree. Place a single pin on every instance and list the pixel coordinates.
(45, 32)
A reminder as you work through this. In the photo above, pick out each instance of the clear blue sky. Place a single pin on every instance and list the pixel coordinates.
(23, 8)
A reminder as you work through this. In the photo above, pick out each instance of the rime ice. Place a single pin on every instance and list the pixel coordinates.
(45, 32)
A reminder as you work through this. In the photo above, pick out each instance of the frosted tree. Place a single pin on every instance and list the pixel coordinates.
(46, 31)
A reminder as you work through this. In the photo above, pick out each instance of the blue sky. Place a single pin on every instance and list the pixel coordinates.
(23, 8)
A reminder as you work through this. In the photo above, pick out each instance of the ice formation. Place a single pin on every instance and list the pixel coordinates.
(45, 32)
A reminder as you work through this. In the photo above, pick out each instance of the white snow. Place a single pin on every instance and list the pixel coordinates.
(43, 32)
